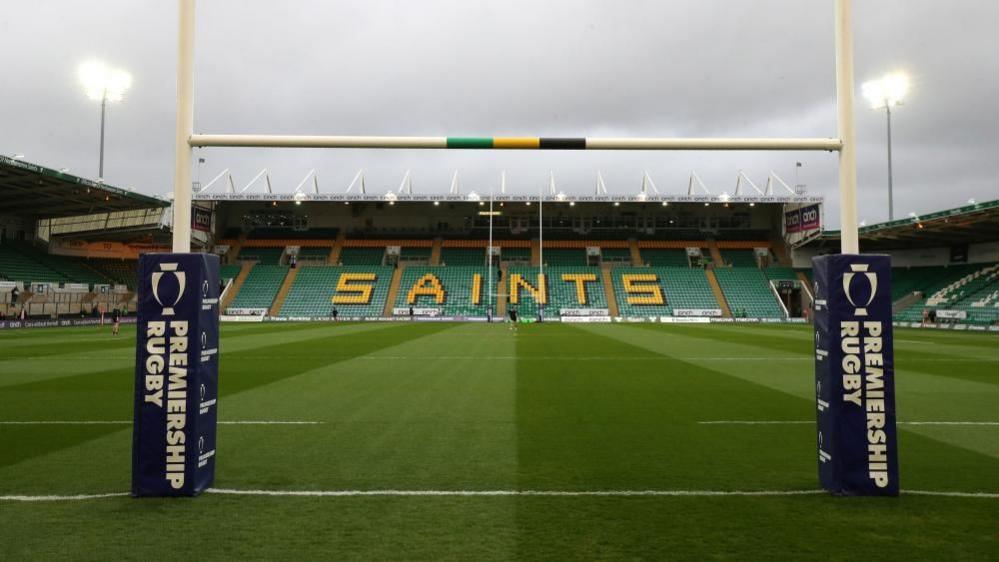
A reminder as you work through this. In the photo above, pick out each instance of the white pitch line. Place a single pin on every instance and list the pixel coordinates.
(504, 493)
(789, 422)
(129, 422)
(499, 493)
(78, 497)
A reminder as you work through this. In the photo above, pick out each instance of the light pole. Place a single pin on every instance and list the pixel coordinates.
(887, 92)
(105, 84)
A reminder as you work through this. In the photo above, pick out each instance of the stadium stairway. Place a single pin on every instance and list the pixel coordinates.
(501, 292)
(636, 255)
(435, 252)
(605, 272)
(717, 290)
(235, 248)
(337, 248)
(716, 255)
(237, 285)
(393, 291)
(289, 279)
(905, 302)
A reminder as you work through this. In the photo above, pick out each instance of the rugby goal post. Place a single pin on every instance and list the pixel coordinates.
(856, 438)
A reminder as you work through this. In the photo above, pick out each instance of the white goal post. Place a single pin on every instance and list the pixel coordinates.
(844, 142)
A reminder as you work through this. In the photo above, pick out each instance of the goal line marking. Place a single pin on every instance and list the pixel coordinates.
(129, 422)
(495, 493)
(797, 422)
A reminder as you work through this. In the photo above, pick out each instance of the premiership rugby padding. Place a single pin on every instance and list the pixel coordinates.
(176, 375)
(855, 375)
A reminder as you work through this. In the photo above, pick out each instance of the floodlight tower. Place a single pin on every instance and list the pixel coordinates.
(887, 92)
(105, 84)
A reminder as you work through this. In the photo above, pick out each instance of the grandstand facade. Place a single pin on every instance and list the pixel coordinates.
(586, 259)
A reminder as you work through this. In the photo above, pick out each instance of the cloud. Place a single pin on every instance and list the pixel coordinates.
(559, 67)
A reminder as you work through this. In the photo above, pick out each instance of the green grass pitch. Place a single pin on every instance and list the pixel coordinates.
(473, 407)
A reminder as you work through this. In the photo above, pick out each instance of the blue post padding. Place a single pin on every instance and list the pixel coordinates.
(176, 375)
(855, 375)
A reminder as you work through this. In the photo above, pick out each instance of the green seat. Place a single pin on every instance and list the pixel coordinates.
(362, 256)
(311, 294)
(459, 285)
(748, 290)
(261, 286)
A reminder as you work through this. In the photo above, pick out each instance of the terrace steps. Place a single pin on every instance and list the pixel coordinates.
(435, 252)
(337, 248)
(605, 272)
(636, 255)
(237, 284)
(283, 291)
(393, 289)
(501, 292)
(717, 290)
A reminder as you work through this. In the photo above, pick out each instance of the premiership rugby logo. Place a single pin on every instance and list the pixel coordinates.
(872, 280)
(158, 276)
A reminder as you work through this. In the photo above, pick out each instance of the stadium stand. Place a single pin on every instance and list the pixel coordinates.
(26, 263)
(559, 291)
(227, 272)
(120, 271)
(313, 254)
(410, 253)
(564, 257)
(739, 258)
(659, 291)
(363, 256)
(616, 255)
(748, 292)
(463, 256)
(454, 289)
(355, 290)
(261, 286)
(665, 258)
(518, 255)
(968, 288)
(262, 255)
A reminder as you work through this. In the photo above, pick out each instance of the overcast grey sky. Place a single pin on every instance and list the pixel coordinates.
(533, 68)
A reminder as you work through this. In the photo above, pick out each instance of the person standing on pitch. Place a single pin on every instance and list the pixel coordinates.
(115, 321)
(513, 319)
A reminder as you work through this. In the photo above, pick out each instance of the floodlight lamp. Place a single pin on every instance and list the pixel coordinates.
(103, 82)
(887, 91)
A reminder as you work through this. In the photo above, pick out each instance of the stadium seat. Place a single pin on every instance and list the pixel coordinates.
(463, 256)
(739, 258)
(263, 256)
(679, 288)
(665, 257)
(261, 286)
(362, 256)
(458, 285)
(558, 292)
(361, 293)
(748, 290)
